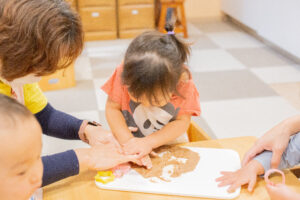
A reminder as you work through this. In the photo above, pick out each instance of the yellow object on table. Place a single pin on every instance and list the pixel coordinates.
(61, 79)
(83, 186)
(105, 177)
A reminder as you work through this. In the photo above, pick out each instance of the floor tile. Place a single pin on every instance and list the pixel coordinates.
(103, 68)
(203, 124)
(202, 42)
(53, 145)
(290, 91)
(278, 74)
(246, 117)
(213, 60)
(214, 26)
(259, 57)
(102, 120)
(83, 69)
(91, 115)
(234, 39)
(100, 94)
(80, 98)
(230, 85)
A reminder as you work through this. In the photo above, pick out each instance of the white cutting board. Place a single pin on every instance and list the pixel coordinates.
(198, 183)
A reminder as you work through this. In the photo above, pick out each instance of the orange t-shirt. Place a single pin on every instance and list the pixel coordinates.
(151, 119)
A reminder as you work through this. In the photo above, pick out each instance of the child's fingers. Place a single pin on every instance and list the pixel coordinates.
(222, 178)
(152, 153)
(233, 187)
(132, 129)
(226, 173)
(252, 183)
(226, 182)
(130, 158)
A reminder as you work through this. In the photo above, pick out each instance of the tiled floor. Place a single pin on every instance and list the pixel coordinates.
(245, 87)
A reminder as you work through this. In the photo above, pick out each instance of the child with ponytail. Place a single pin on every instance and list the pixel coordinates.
(151, 95)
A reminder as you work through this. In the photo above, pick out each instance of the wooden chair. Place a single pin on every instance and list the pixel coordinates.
(178, 7)
(196, 133)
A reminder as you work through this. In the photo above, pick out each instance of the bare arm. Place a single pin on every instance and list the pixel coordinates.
(170, 132)
(117, 122)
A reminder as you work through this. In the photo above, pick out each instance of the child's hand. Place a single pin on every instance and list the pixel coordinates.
(281, 191)
(139, 146)
(146, 161)
(245, 175)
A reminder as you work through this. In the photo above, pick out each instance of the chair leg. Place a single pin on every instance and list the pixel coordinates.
(162, 18)
(183, 21)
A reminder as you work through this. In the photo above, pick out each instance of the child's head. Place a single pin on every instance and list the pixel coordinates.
(153, 65)
(20, 149)
(37, 37)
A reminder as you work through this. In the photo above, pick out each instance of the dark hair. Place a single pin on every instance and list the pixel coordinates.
(12, 112)
(37, 36)
(154, 61)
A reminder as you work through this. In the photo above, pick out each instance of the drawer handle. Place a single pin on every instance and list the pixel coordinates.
(95, 14)
(134, 12)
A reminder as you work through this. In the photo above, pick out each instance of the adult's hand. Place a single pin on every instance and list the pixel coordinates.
(97, 135)
(281, 191)
(102, 157)
(275, 140)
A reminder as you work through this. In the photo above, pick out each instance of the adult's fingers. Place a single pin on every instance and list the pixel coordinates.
(276, 157)
(117, 144)
(256, 149)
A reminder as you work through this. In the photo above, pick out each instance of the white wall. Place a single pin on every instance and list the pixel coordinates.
(276, 20)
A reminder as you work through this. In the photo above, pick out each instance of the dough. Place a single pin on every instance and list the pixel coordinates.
(171, 162)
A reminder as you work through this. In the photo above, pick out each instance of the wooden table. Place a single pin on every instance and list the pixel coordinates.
(82, 187)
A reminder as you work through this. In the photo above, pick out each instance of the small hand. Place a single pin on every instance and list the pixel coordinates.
(146, 161)
(139, 146)
(245, 175)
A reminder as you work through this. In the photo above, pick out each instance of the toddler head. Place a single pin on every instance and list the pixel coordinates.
(37, 37)
(20, 148)
(153, 66)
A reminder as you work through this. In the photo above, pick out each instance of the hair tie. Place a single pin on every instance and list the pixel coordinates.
(170, 32)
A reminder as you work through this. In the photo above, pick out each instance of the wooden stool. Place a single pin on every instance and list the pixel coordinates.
(177, 5)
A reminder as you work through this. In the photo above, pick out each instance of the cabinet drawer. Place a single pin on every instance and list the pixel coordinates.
(102, 35)
(124, 34)
(135, 17)
(88, 3)
(128, 2)
(98, 18)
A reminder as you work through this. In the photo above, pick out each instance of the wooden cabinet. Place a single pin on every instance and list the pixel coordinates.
(135, 17)
(99, 19)
(91, 3)
(106, 19)
(136, 2)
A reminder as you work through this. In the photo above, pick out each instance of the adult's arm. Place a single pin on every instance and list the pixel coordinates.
(58, 124)
(275, 140)
(69, 163)
(59, 166)
(290, 157)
